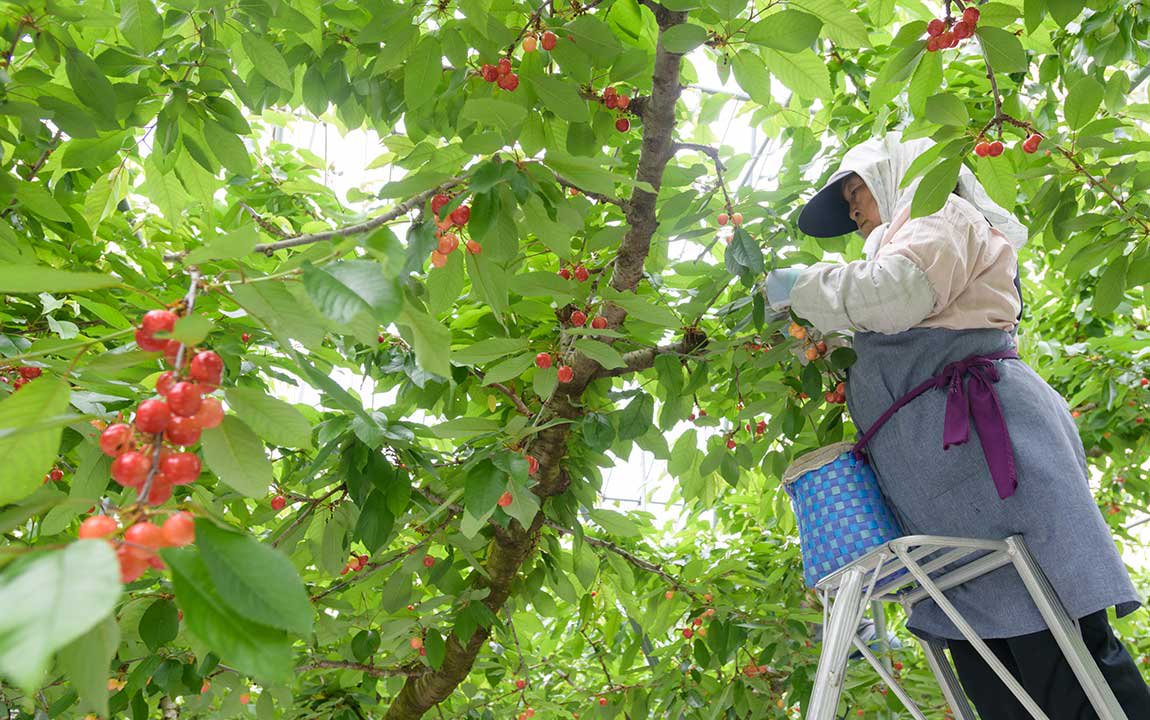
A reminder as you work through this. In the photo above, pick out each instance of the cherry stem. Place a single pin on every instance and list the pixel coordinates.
(158, 438)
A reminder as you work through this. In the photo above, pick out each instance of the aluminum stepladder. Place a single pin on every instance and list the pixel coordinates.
(929, 563)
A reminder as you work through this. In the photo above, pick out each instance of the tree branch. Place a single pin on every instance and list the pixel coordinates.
(713, 153)
(411, 670)
(357, 229)
(590, 193)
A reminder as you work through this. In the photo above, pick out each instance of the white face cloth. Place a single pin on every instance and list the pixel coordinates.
(882, 163)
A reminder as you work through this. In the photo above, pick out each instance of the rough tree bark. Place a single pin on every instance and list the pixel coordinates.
(511, 548)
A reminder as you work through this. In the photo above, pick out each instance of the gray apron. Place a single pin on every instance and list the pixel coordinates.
(950, 492)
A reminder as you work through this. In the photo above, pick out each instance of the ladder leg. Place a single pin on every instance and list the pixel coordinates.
(1065, 633)
(947, 680)
(889, 679)
(838, 633)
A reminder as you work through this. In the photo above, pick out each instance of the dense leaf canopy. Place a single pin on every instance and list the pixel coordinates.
(436, 532)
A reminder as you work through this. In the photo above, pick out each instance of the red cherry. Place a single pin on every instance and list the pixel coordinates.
(148, 343)
(448, 243)
(55, 474)
(362, 561)
(438, 259)
(543, 360)
(428, 561)
(532, 465)
(565, 273)
(947, 39)
(566, 374)
(461, 215)
(982, 149)
(730, 444)
(1145, 381)
(181, 468)
(206, 367)
(152, 416)
(897, 666)
(530, 43)
(182, 431)
(622, 125)
(145, 536)
(116, 439)
(970, 16)
(622, 102)
(933, 45)
(962, 30)
(441, 199)
(245, 338)
(610, 92)
(30, 373)
(760, 429)
(179, 530)
(578, 318)
(582, 273)
(166, 381)
(548, 41)
(161, 490)
(602, 701)
(473, 247)
(278, 503)
(211, 413)
(688, 633)
(130, 469)
(509, 82)
(505, 499)
(155, 321)
(599, 322)
(504, 66)
(490, 73)
(171, 350)
(245, 698)
(97, 526)
(610, 101)
(520, 684)
(185, 399)
(131, 566)
(996, 148)
(737, 219)
(935, 27)
(722, 219)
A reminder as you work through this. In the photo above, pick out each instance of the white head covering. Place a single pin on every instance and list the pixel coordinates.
(882, 164)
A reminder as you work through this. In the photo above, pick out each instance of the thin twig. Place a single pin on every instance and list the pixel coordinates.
(402, 670)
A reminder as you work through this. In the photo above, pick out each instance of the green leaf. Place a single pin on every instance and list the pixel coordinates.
(192, 329)
(51, 600)
(601, 353)
(375, 522)
(226, 245)
(1111, 287)
(85, 662)
(642, 308)
(274, 420)
(16, 279)
(493, 113)
(890, 80)
(936, 186)
(364, 644)
(484, 485)
(436, 648)
(422, 72)
(510, 368)
(803, 72)
(946, 109)
(344, 289)
(1064, 11)
(594, 37)
(488, 350)
(999, 179)
(142, 25)
(1082, 102)
(91, 152)
(236, 455)
(488, 282)
(839, 24)
(432, 340)
(787, 31)
(752, 76)
(228, 148)
(30, 454)
(926, 80)
(561, 97)
(635, 419)
(89, 83)
(465, 427)
(252, 648)
(683, 38)
(267, 60)
(744, 254)
(1003, 49)
(159, 624)
(36, 198)
(256, 581)
(615, 522)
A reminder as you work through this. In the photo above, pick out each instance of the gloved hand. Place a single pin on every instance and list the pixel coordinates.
(779, 285)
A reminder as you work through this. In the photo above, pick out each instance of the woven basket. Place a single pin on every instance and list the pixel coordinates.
(841, 512)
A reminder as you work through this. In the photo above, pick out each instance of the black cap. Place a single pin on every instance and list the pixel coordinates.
(828, 214)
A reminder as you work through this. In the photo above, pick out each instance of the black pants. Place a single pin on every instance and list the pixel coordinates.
(1038, 664)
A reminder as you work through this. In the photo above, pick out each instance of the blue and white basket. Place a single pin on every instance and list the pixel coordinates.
(841, 512)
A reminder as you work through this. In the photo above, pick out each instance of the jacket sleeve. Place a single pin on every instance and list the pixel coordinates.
(928, 264)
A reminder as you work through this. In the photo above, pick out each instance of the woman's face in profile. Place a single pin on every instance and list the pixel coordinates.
(863, 208)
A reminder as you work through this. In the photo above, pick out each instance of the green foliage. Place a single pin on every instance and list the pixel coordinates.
(140, 138)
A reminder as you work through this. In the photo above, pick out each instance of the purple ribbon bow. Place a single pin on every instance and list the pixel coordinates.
(974, 400)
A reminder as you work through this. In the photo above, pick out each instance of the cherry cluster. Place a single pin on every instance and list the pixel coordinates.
(813, 349)
(579, 319)
(547, 40)
(735, 219)
(357, 563)
(500, 74)
(173, 420)
(615, 100)
(580, 273)
(838, 396)
(941, 37)
(985, 148)
(448, 240)
(18, 376)
(543, 361)
(137, 549)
